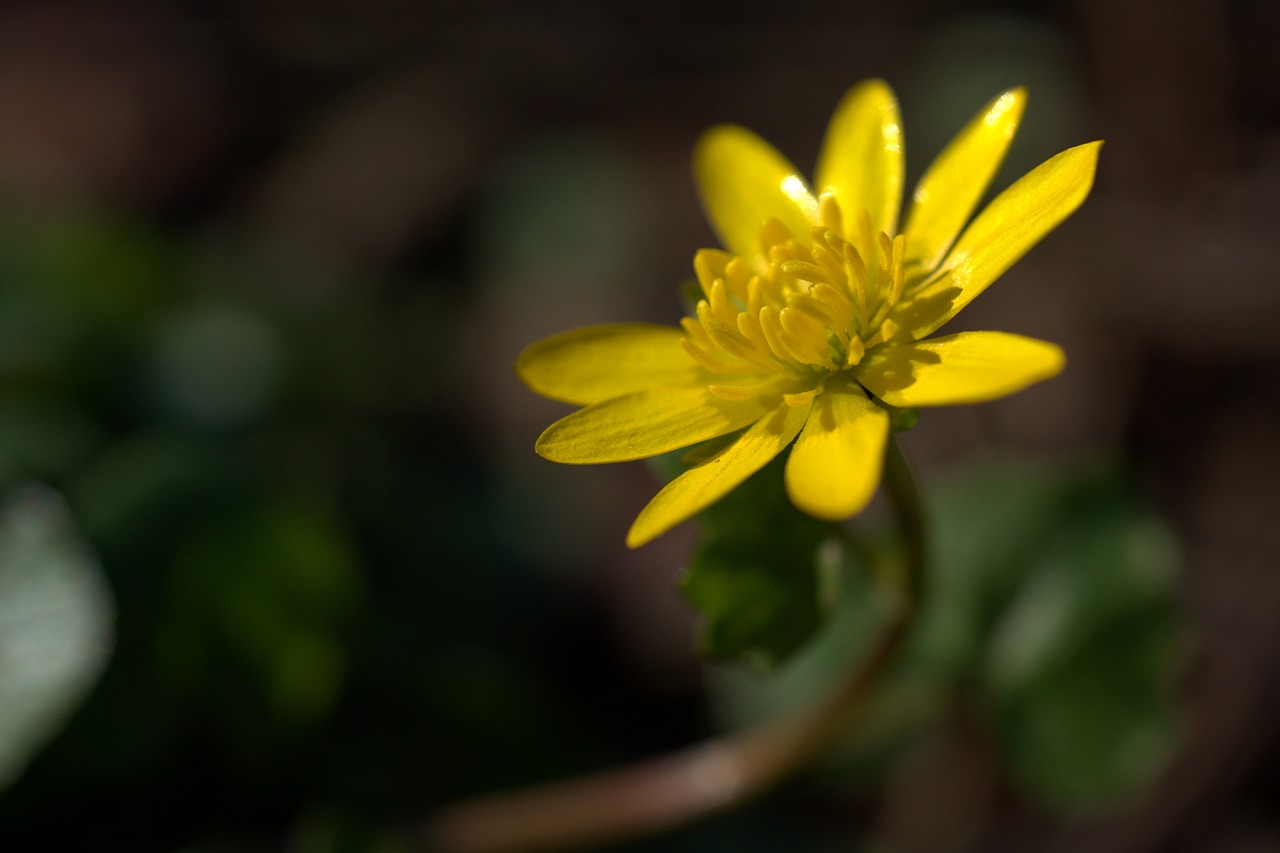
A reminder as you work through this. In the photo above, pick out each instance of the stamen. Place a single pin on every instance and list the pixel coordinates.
(726, 337)
(804, 271)
(801, 397)
(695, 332)
(821, 303)
(704, 358)
(857, 281)
(755, 296)
(709, 265)
(737, 278)
(771, 326)
(720, 305)
(898, 273)
(856, 351)
(805, 335)
(886, 331)
(885, 264)
(836, 303)
(830, 263)
(863, 236)
(773, 233)
(742, 392)
(815, 308)
(749, 328)
(829, 213)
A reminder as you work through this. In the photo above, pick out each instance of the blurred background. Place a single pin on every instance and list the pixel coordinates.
(279, 569)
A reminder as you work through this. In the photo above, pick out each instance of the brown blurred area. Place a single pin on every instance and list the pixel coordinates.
(487, 173)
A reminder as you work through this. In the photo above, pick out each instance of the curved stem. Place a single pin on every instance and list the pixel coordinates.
(676, 789)
(655, 795)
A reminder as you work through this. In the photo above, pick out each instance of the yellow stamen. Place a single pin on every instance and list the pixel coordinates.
(721, 308)
(709, 265)
(856, 351)
(886, 331)
(737, 278)
(705, 359)
(772, 234)
(804, 271)
(749, 327)
(728, 338)
(801, 397)
(806, 336)
(775, 335)
(829, 213)
(810, 309)
(742, 392)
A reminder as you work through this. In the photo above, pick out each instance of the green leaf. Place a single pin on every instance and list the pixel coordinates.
(56, 617)
(1080, 668)
(269, 597)
(1050, 602)
(1054, 591)
(759, 576)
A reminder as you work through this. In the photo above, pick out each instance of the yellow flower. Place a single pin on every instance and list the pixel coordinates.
(816, 314)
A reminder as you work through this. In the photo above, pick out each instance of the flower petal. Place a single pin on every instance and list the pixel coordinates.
(744, 181)
(645, 424)
(595, 363)
(952, 185)
(1014, 222)
(861, 159)
(703, 485)
(968, 367)
(834, 468)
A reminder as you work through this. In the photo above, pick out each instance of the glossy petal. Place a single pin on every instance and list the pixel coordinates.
(645, 424)
(861, 159)
(968, 367)
(1014, 222)
(743, 182)
(952, 185)
(596, 363)
(834, 468)
(703, 485)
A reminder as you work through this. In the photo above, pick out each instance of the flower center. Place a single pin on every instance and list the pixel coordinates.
(808, 309)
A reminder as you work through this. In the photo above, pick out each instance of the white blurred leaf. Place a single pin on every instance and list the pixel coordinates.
(56, 618)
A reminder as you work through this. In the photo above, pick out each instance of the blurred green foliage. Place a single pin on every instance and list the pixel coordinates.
(322, 631)
(1082, 650)
(758, 575)
(1050, 612)
(262, 595)
(203, 446)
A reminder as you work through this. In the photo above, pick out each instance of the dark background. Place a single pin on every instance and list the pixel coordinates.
(266, 267)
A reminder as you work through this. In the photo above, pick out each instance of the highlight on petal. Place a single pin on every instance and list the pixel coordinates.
(743, 182)
(703, 485)
(834, 468)
(596, 363)
(1001, 234)
(645, 424)
(952, 185)
(968, 367)
(861, 158)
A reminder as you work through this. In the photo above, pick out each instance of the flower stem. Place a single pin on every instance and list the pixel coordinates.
(673, 790)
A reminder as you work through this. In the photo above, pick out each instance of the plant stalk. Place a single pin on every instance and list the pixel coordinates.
(722, 773)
